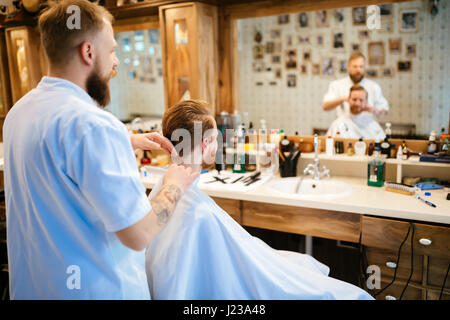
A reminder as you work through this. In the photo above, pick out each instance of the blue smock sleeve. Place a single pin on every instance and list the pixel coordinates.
(104, 167)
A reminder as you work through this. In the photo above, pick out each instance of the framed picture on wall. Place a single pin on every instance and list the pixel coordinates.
(338, 16)
(343, 66)
(307, 55)
(410, 49)
(371, 73)
(270, 46)
(395, 46)
(387, 72)
(258, 66)
(376, 52)
(292, 80)
(258, 52)
(338, 40)
(355, 47)
(316, 69)
(275, 33)
(283, 19)
(277, 73)
(303, 39)
(322, 18)
(320, 40)
(363, 34)
(404, 66)
(277, 47)
(303, 20)
(386, 25)
(304, 69)
(409, 19)
(385, 11)
(276, 59)
(327, 66)
(291, 59)
(359, 16)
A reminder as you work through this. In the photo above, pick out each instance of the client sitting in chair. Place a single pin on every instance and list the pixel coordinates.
(202, 253)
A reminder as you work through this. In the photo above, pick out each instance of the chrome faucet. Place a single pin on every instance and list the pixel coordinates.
(313, 169)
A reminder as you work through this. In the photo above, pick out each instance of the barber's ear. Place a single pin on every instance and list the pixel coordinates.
(87, 53)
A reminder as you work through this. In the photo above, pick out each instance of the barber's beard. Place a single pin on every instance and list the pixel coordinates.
(356, 78)
(98, 87)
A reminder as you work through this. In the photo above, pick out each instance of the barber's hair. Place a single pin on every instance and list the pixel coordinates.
(358, 87)
(183, 115)
(59, 37)
(355, 55)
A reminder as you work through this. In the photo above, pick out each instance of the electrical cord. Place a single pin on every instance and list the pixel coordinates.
(412, 260)
(397, 264)
(443, 284)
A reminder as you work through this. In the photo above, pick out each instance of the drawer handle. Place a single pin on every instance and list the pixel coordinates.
(391, 265)
(425, 242)
(388, 297)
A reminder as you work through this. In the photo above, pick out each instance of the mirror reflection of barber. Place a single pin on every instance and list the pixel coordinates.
(337, 96)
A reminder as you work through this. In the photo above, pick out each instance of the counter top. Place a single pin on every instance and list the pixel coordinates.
(363, 200)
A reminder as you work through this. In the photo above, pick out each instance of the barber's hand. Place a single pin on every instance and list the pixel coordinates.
(180, 176)
(152, 141)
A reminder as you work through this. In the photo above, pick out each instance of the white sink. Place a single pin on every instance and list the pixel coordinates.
(309, 188)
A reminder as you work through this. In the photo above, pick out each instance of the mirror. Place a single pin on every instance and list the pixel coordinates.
(286, 65)
(138, 88)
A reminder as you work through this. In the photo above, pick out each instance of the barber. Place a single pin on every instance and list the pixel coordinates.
(78, 218)
(337, 96)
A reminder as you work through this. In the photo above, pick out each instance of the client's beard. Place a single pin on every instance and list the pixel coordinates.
(98, 88)
(356, 79)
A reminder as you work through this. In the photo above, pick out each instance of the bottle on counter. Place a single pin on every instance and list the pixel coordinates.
(405, 150)
(400, 153)
(286, 145)
(239, 154)
(388, 131)
(385, 148)
(376, 170)
(350, 150)
(329, 147)
(392, 152)
(370, 149)
(360, 147)
(432, 145)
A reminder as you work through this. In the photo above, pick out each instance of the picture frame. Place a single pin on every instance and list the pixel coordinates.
(291, 59)
(327, 66)
(404, 66)
(342, 66)
(387, 72)
(316, 69)
(339, 16)
(283, 19)
(275, 34)
(307, 55)
(270, 47)
(258, 66)
(277, 48)
(258, 52)
(359, 16)
(363, 34)
(338, 42)
(355, 47)
(395, 46)
(322, 18)
(385, 11)
(303, 19)
(303, 40)
(386, 26)
(291, 80)
(319, 40)
(409, 20)
(304, 69)
(371, 73)
(375, 51)
(277, 73)
(410, 50)
(276, 59)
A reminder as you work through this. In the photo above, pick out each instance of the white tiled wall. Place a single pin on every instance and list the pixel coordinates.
(137, 96)
(421, 97)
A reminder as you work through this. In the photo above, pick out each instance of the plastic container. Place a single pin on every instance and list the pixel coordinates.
(329, 146)
(360, 148)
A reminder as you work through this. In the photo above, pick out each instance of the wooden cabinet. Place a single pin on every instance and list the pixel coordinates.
(230, 206)
(431, 257)
(190, 52)
(26, 60)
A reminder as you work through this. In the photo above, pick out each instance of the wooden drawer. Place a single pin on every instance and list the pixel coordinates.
(232, 207)
(395, 290)
(388, 234)
(437, 267)
(380, 258)
(434, 295)
(306, 221)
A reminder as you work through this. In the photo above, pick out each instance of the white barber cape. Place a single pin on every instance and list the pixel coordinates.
(358, 126)
(341, 88)
(203, 253)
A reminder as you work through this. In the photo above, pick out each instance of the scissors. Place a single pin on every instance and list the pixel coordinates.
(218, 179)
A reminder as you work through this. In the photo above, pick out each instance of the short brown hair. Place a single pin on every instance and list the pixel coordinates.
(358, 87)
(355, 55)
(59, 41)
(183, 115)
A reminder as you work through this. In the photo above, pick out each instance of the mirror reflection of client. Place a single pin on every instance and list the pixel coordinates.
(360, 123)
(204, 254)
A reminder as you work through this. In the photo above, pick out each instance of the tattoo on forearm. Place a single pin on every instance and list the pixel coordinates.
(164, 203)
